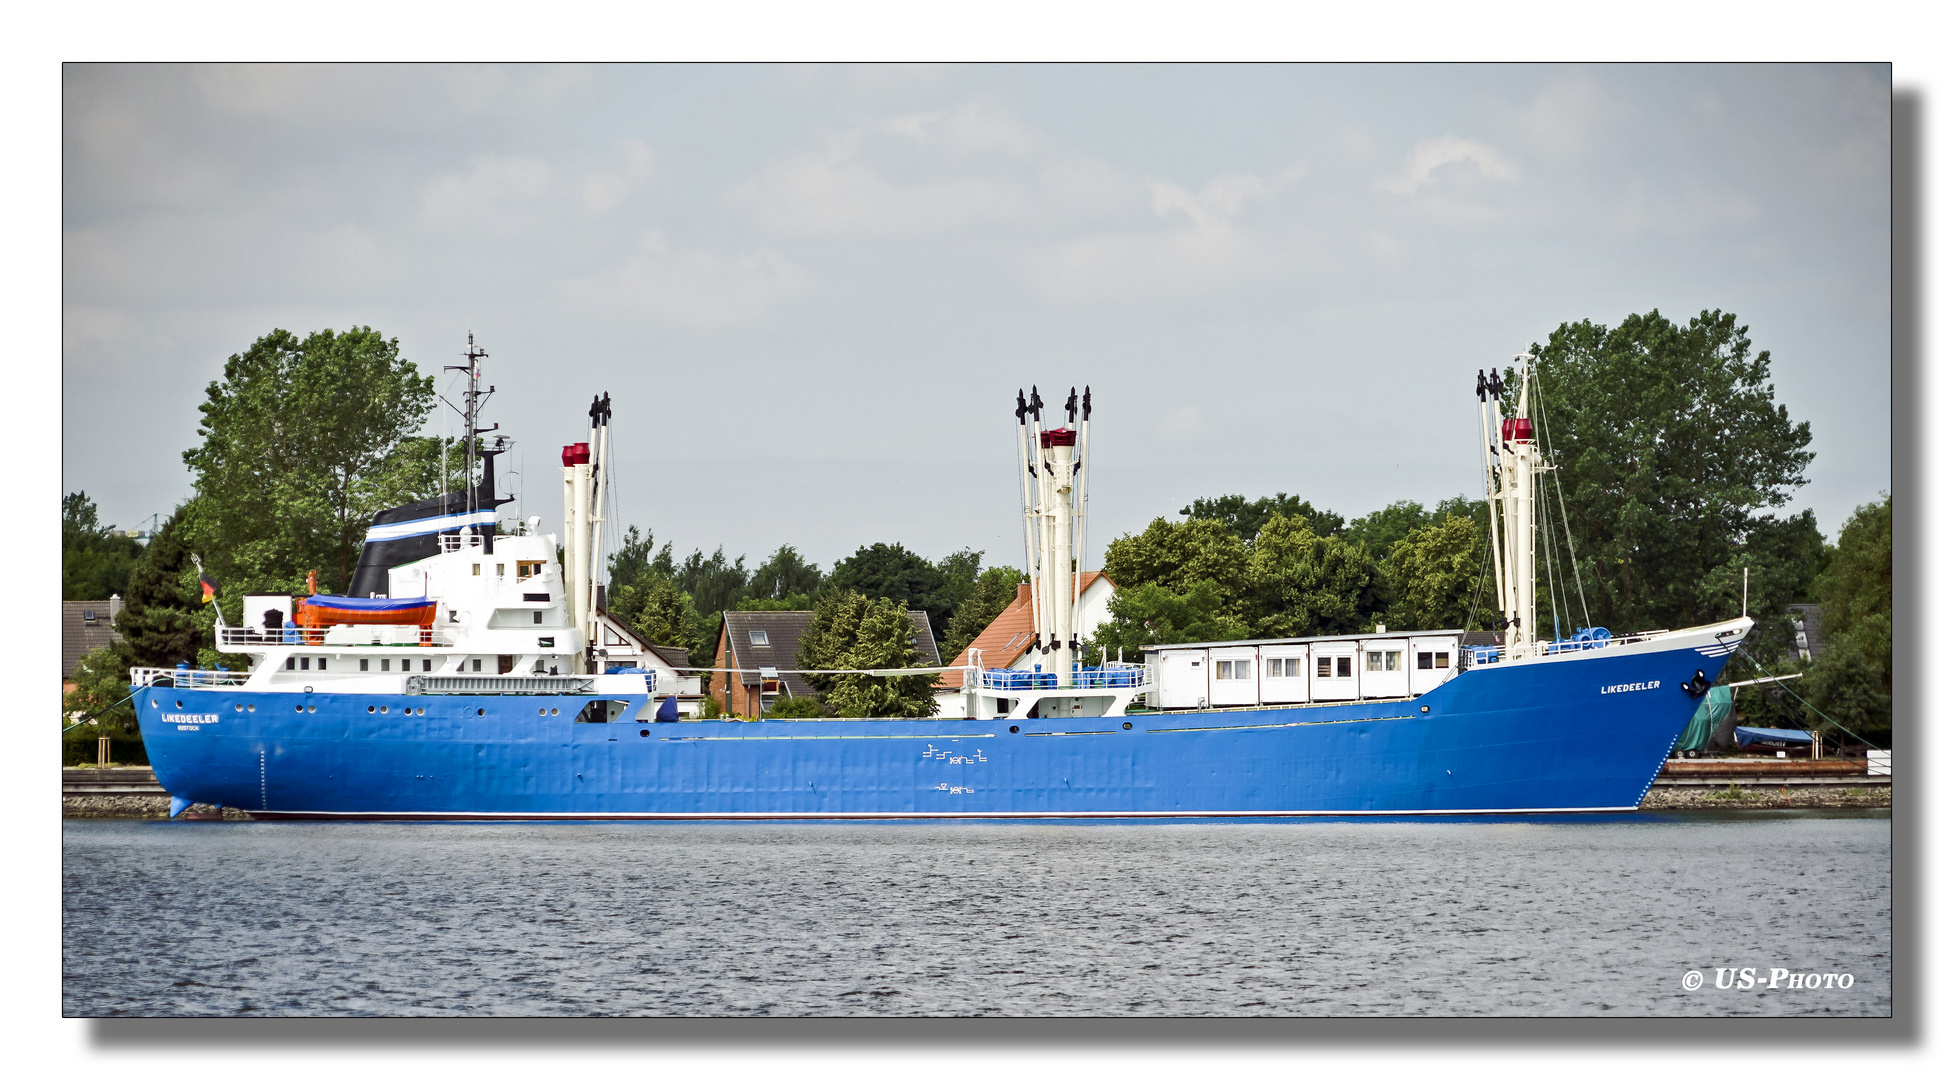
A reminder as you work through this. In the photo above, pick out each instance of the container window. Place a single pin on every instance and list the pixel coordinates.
(1393, 660)
(1275, 669)
(1343, 667)
(1322, 667)
(1424, 661)
(1292, 667)
(1373, 661)
(1443, 659)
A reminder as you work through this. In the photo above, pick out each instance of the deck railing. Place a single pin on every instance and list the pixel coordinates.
(188, 678)
(348, 635)
(1124, 677)
(1475, 655)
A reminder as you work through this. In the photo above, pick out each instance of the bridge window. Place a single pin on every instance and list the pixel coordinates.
(527, 568)
(362, 663)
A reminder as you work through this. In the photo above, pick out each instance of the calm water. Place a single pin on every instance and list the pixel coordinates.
(1568, 917)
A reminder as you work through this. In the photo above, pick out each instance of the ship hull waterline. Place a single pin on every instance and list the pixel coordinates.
(1585, 732)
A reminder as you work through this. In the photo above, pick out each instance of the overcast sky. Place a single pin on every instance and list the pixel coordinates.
(812, 292)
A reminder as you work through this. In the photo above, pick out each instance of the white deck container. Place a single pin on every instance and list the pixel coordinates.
(1232, 677)
(1382, 672)
(1434, 659)
(1285, 674)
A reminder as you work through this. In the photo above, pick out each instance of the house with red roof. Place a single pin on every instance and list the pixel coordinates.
(1007, 641)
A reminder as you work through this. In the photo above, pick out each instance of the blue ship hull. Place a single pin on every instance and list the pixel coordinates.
(1580, 733)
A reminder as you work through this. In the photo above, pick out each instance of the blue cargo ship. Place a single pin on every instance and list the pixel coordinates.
(468, 678)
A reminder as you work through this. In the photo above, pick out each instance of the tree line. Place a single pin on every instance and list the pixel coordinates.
(1672, 457)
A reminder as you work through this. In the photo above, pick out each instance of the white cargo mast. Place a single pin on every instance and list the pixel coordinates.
(1052, 482)
(583, 524)
(1510, 468)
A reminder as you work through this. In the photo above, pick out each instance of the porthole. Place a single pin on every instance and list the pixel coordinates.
(552, 712)
(250, 708)
(1424, 708)
(179, 703)
(1128, 726)
(237, 706)
(383, 709)
(481, 712)
(1014, 729)
(298, 708)
(369, 708)
(420, 712)
(541, 712)
(312, 708)
(644, 734)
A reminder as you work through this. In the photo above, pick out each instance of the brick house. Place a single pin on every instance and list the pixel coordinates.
(86, 625)
(756, 642)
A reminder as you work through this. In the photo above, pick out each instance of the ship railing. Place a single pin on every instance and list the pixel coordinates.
(186, 677)
(454, 541)
(1477, 655)
(1110, 677)
(345, 634)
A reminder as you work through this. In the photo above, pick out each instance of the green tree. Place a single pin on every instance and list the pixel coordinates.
(1434, 573)
(785, 574)
(99, 705)
(1380, 530)
(1152, 614)
(1245, 519)
(960, 571)
(636, 554)
(893, 572)
(1177, 555)
(1668, 441)
(163, 621)
(994, 590)
(1301, 584)
(788, 707)
(95, 560)
(850, 630)
(1852, 680)
(714, 584)
(297, 437)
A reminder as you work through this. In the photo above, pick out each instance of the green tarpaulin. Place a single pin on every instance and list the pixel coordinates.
(1715, 707)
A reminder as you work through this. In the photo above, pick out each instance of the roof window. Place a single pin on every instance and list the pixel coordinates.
(756, 637)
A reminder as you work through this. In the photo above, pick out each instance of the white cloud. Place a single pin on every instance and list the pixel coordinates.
(486, 185)
(688, 286)
(1430, 155)
(927, 173)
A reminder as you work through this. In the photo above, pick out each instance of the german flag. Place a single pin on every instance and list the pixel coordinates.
(210, 587)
